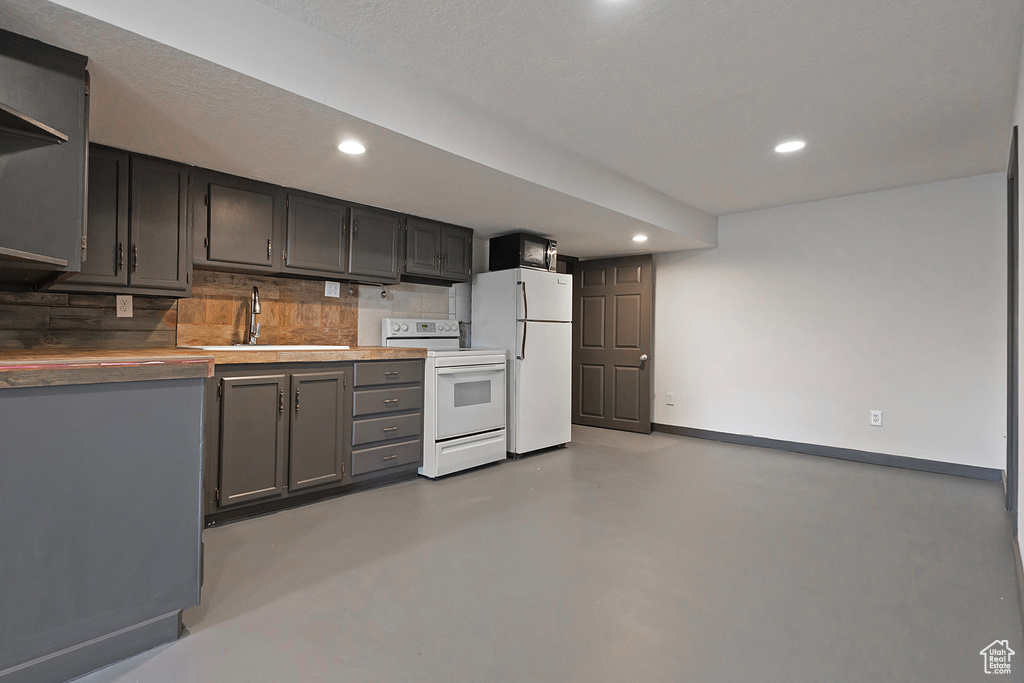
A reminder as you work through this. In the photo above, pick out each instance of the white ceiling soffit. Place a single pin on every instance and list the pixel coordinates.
(232, 84)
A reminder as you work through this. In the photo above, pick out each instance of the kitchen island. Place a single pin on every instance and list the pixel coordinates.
(100, 493)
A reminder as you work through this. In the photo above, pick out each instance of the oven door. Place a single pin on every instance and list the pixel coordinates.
(470, 399)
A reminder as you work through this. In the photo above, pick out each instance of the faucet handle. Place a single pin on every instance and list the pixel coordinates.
(256, 332)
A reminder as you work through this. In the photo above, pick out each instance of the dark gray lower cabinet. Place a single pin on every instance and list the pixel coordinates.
(283, 433)
(252, 439)
(387, 417)
(318, 416)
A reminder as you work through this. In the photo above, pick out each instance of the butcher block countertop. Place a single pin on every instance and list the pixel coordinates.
(55, 367)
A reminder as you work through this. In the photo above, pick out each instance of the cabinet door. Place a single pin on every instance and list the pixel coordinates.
(456, 253)
(240, 225)
(252, 439)
(106, 256)
(319, 413)
(316, 235)
(373, 245)
(422, 248)
(158, 225)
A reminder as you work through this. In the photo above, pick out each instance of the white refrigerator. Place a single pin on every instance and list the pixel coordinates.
(529, 314)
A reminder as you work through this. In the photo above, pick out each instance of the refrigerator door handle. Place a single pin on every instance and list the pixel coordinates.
(526, 308)
(522, 354)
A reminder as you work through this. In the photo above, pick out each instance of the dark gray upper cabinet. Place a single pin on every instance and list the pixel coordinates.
(316, 232)
(319, 415)
(105, 266)
(456, 253)
(241, 222)
(438, 251)
(235, 219)
(252, 439)
(373, 245)
(422, 248)
(44, 135)
(158, 253)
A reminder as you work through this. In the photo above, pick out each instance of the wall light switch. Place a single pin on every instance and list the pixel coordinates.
(124, 306)
(876, 418)
(670, 399)
(332, 289)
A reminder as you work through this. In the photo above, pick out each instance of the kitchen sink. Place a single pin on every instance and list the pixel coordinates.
(268, 347)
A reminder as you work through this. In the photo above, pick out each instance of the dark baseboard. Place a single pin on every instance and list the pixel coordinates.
(971, 471)
(95, 654)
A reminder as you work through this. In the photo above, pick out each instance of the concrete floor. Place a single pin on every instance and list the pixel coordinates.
(621, 558)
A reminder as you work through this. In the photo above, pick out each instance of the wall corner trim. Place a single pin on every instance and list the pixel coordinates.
(901, 461)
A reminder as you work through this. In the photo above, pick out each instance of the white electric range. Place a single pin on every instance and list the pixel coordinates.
(464, 395)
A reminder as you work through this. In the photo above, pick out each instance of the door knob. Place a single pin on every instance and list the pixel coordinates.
(643, 358)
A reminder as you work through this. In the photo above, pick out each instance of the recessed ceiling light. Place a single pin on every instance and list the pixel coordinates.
(790, 146)
(351, 147)
(639, 238)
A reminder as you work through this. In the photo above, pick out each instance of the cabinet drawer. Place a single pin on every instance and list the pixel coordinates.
(384, 428)
(367, 402)
(384, 372)
(384, 457)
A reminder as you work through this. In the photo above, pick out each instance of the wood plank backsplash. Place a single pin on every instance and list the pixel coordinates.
(293, 311)
(33, 320)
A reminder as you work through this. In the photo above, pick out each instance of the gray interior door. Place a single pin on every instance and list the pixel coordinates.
(252, 438)
(611, 332)
(318, 416)
(1012, 320)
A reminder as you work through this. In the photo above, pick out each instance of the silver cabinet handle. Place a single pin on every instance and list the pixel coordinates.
(120, 256)
(643, 358)
(135, 258)
(391, 373)
(389, 457)
(390, 429)
(390, 400)
(296, 401)
(269, 257)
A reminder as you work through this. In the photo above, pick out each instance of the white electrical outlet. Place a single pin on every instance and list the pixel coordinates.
(670, 399)
(876, 418)
(332, 289)
(124, 306)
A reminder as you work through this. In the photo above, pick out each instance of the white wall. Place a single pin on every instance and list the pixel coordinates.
(808, 316)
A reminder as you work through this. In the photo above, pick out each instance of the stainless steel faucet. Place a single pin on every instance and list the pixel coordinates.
(254, 310)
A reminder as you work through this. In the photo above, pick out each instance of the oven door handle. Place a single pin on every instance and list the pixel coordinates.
(479, 369)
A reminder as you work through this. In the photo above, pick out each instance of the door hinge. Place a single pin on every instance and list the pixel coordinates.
(220, 388)
(284, 254)
(343, 469)
(286, 203)
(190, 180)
(216, 494)
(188, 277)
(206, 199)
(206, 241)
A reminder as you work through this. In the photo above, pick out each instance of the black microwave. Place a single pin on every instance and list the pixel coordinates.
(521, 250)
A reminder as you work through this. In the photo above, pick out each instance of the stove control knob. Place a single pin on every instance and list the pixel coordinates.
(405, 328)
(395, 327)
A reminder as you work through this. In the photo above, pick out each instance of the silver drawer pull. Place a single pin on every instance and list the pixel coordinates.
(389, 457)
(390, 429)
(391, 373)
(390, 400)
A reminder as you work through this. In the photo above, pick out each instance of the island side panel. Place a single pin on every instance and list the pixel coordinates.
(100, 497)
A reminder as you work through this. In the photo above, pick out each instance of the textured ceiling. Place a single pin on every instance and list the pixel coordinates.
(691, 96)
(586, 120)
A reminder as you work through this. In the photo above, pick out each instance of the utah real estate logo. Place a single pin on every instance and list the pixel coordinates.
(997, 657)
